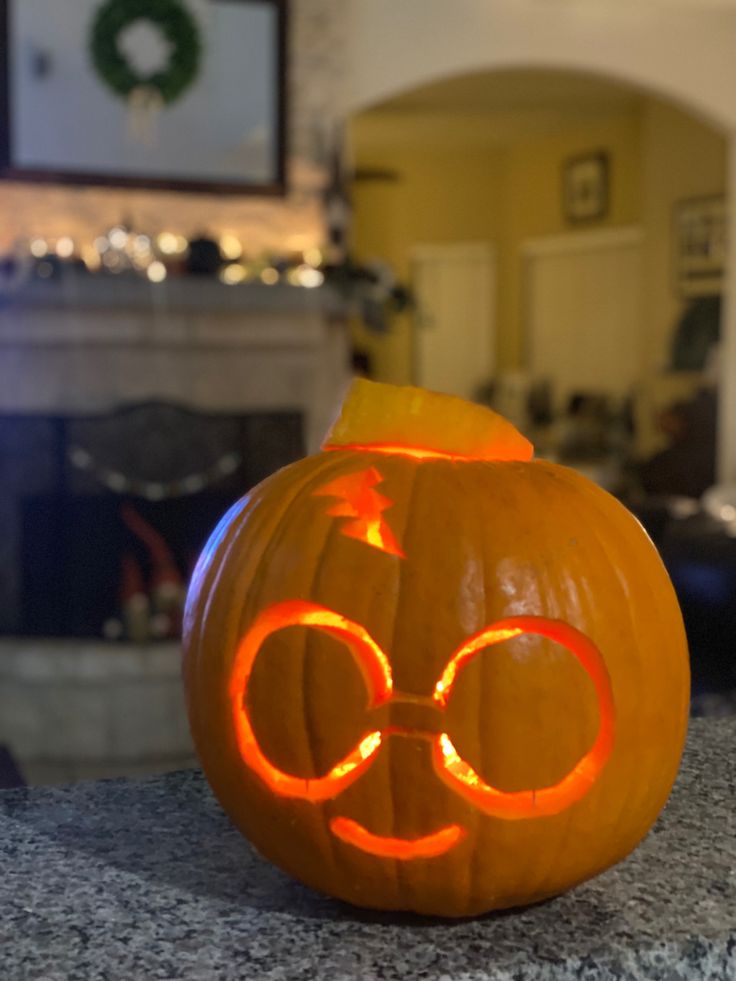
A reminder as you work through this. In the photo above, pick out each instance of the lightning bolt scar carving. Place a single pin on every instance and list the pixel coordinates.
(365, 506)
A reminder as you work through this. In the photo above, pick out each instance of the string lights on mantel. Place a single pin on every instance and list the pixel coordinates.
(369, 290)
(158, 256)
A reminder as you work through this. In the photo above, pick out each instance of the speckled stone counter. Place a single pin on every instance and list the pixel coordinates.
(146, 879)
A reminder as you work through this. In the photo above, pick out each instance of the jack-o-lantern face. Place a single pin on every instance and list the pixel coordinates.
(421, 680)
(449, 766)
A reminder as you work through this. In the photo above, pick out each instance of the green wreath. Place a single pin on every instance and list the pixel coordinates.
(177, 25)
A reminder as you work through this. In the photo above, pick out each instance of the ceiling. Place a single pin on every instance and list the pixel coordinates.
(516, 91)
(489, 109)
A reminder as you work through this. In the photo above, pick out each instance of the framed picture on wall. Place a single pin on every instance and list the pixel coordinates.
(585, 187)
(699, 242)
(179, 94)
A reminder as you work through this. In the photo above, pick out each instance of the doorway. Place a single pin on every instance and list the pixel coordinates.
(454, 329)
(582, 312)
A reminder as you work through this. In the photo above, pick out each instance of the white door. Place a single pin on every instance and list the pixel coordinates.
(582, 295)
(454, 344)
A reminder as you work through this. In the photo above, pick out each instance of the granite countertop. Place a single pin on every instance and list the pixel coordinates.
(146, 879)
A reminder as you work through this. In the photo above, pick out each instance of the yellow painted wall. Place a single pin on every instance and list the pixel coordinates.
(533, 191)
(682, 158)
(454, 187)
(440, 195)
(511, 192)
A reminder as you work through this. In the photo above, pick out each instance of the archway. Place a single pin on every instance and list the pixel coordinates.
(681, 54)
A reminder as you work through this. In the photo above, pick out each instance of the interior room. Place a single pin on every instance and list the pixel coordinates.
(167, 342)
(367, 489)
(464, 187)
(547, 241)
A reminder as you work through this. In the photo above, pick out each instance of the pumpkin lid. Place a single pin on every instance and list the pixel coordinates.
(426, 425)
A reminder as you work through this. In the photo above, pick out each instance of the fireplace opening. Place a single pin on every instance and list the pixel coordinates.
(86, 573)
(103, 517)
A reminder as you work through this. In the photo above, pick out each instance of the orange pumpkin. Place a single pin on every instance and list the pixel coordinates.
(426, 673)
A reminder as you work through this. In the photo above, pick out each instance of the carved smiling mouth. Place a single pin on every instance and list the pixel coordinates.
(429, 846)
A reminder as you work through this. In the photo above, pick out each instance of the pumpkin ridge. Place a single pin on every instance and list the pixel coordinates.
(486, 692)
(474, 870)
(409, 492)
(275, 525)
(324, 468)
(596, 501)
(542, 881)
(276, 530)
(203, 577)
(598, 523)
(314, 477)
(217, 569)
(472, 874)
(534, 499)
(309, 729)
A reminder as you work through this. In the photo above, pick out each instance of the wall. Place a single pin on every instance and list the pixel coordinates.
(532, 190)
(680, 50)
(682, 158)
(456, 183)
(440, 194)
(316, 44)
(509, 193)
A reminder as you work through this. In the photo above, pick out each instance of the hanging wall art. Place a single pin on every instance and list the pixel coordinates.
(181, 94)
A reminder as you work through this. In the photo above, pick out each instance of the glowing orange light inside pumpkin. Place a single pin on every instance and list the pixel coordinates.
(358, 500)
(429, 846)
(413, 452)
(376, 672)
(493, 635)
(459, 775)
(448, 764)
(420, 453)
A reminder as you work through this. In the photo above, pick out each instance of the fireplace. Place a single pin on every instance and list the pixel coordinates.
(102, 517)
(222, 385)
(130, 417)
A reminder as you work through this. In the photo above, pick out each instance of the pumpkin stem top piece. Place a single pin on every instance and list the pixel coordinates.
(425, 425)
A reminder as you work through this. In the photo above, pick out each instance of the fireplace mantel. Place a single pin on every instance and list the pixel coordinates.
(87, 344)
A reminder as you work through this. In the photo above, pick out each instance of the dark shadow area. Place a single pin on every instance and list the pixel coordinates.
(97, 510)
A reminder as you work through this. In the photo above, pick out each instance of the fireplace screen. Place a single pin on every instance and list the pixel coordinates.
(102, 518)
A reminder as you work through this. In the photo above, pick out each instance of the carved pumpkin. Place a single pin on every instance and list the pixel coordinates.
(426, 673)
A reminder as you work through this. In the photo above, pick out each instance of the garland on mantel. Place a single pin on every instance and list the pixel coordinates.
(369, 290)
(152, 490)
